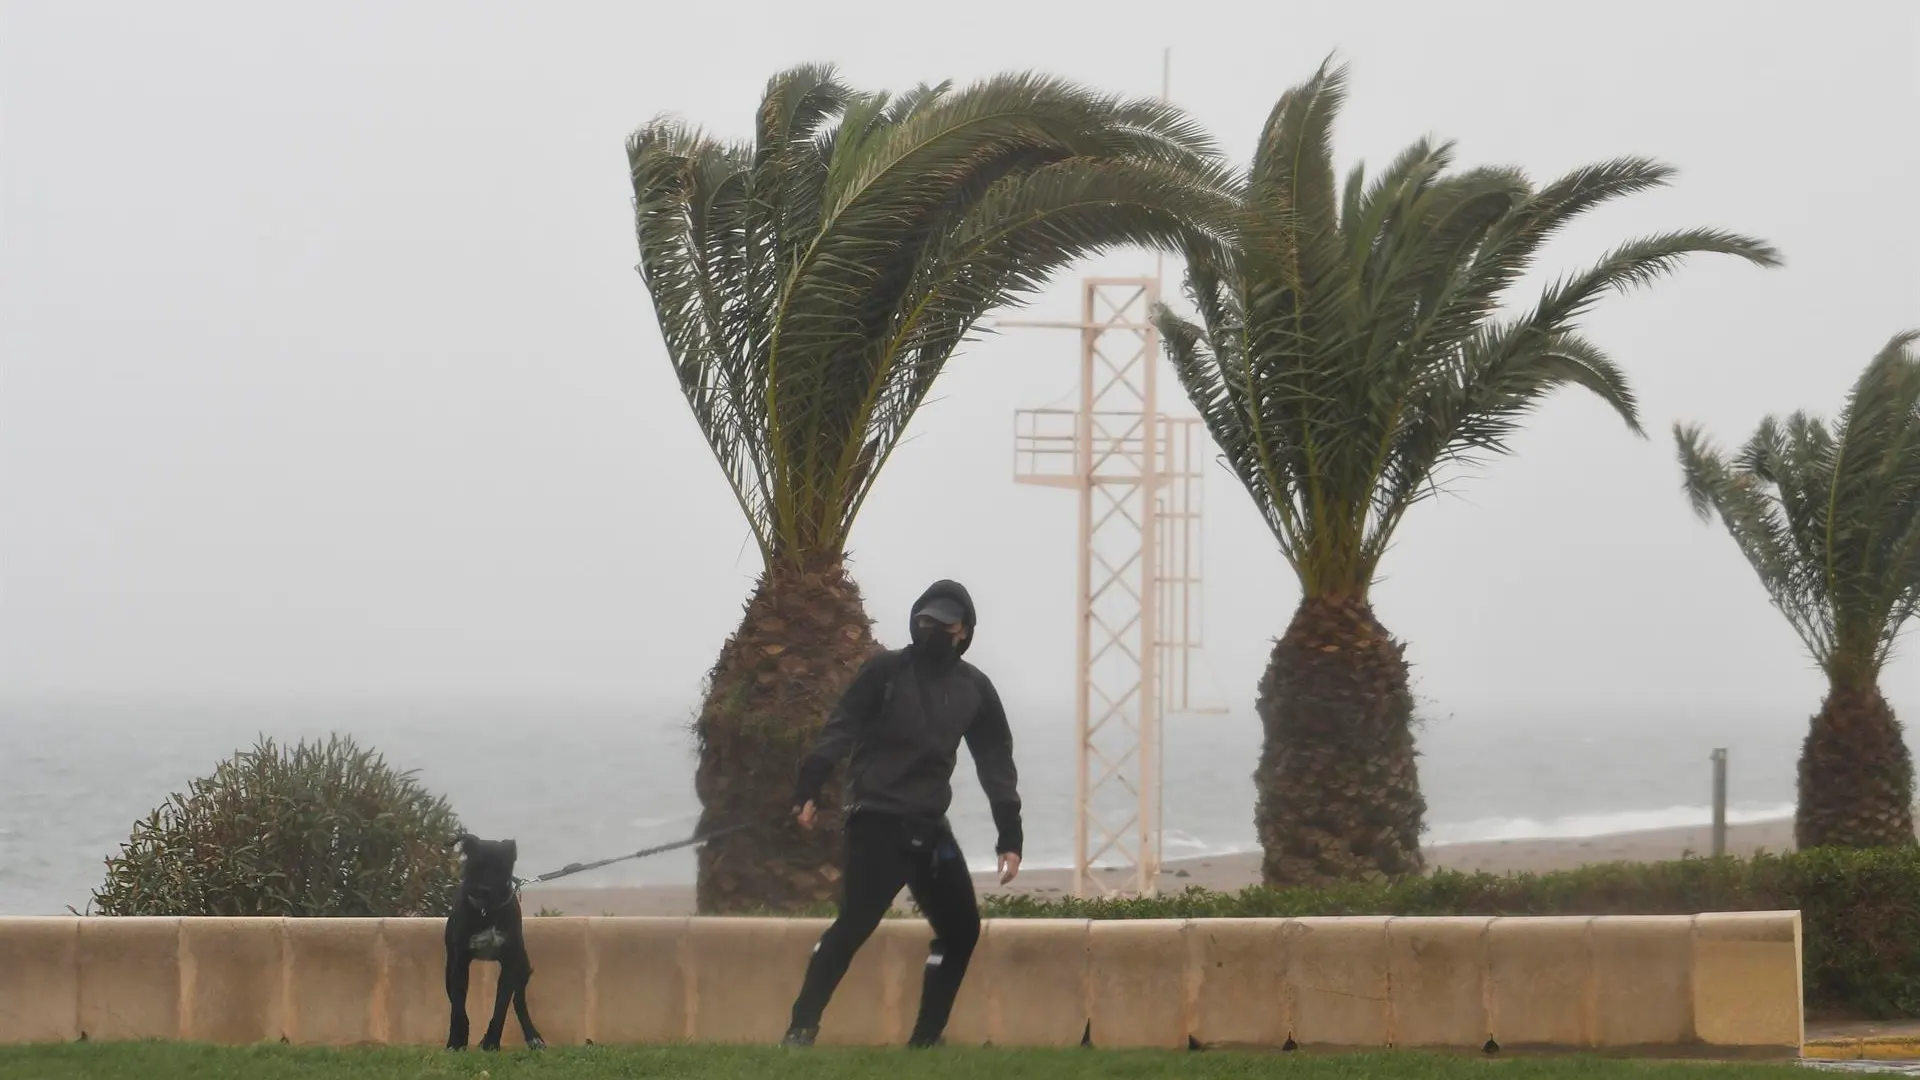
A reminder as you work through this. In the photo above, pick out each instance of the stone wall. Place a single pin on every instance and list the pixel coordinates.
(1720, 984)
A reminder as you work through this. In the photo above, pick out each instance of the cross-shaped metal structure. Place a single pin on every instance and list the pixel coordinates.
(1136, 471)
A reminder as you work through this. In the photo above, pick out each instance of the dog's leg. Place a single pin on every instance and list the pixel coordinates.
(522, 972)
(456, 995)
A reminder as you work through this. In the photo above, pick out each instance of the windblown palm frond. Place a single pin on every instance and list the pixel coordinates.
(1350, 343)
(811, 285)
(1829, 516)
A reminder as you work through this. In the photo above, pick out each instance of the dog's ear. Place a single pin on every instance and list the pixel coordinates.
(467, 843)
(512, 849)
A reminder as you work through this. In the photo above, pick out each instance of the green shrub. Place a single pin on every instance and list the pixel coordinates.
(319, 830)
(1860, 910)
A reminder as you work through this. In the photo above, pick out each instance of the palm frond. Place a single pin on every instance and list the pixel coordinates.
(1292, 166)
(811, 285)
(1356, 340)
(1828, 516)
(679, 179)
(1764, 529)
(1639, 263)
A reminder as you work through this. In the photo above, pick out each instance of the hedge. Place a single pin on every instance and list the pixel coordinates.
(1859, 910)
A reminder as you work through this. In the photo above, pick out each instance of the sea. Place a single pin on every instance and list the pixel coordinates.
(575, 783)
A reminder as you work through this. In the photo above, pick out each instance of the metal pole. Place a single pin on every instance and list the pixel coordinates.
(1719, 802)
(1083, 623)
(1152, 736)
(1150, 575)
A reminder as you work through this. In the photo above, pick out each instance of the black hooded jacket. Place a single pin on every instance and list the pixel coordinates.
(902, 722)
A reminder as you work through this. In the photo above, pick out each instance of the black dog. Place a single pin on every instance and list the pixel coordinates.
(485, 925)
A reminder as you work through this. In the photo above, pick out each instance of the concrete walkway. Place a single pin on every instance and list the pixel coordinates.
(1881, 1046)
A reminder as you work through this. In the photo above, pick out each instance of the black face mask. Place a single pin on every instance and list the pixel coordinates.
(933, 641)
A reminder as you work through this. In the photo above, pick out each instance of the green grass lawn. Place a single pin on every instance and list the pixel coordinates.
(181, 1061)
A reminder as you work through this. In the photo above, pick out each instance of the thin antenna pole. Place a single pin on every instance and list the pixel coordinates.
(1150, 875)
(1166, 96)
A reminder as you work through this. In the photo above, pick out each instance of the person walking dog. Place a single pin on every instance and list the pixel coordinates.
(901, 723)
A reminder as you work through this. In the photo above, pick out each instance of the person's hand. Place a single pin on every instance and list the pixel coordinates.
(1009, 867)
(805, 815)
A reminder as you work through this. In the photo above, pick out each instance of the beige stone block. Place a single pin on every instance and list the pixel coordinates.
(412, 1006)
(878, 1001)
(1337, 971)
(483, 978)
(129, 977)
(1746, 979)
(39, 979)
(970, 1023)
(1642, 995)
(1137, 983)
(743, 974)
(334, 982)
(413, 955)
(1436, 981)
(559, 995)
(1035, 981)
(1542, 972)
(639, 972)
(1237, 972)
(232, 980)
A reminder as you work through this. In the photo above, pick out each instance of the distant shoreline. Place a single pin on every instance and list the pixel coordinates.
(1231, 873)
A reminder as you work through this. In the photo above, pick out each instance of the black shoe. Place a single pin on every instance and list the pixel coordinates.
(799, 1036)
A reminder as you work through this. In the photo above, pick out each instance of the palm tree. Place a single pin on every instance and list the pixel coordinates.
(1348, 348)
(810, 286)
(1829, 517)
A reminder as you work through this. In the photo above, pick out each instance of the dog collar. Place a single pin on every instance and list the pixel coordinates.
(511, 900)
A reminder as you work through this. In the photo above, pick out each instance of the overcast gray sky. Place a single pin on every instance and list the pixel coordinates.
(324, 371)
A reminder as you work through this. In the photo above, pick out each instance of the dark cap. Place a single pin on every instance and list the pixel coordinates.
(942, 609)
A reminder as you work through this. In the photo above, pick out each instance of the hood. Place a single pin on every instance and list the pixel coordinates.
(956, 592)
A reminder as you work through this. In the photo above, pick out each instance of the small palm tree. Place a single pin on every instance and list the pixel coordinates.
(1829, 517)
(1348, 349)
(810, 286)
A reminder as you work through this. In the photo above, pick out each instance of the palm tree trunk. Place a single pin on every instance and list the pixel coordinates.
(804, 635)
(1338, 790)
(1856, 776)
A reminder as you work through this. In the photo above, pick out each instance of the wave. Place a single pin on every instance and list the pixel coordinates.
(1604, 824)
(1189, 851)
(1181, 846)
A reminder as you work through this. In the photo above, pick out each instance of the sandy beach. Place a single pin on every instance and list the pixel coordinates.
(1231, 873)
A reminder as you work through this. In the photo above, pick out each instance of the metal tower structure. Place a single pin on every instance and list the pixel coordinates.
(1136, 472)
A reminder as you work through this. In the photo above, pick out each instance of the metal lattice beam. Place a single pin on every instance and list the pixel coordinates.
(1136, 475)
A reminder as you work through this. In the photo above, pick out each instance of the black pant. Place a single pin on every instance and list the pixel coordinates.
(883, 853)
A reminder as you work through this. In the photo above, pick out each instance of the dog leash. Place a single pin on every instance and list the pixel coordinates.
(579, 868)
